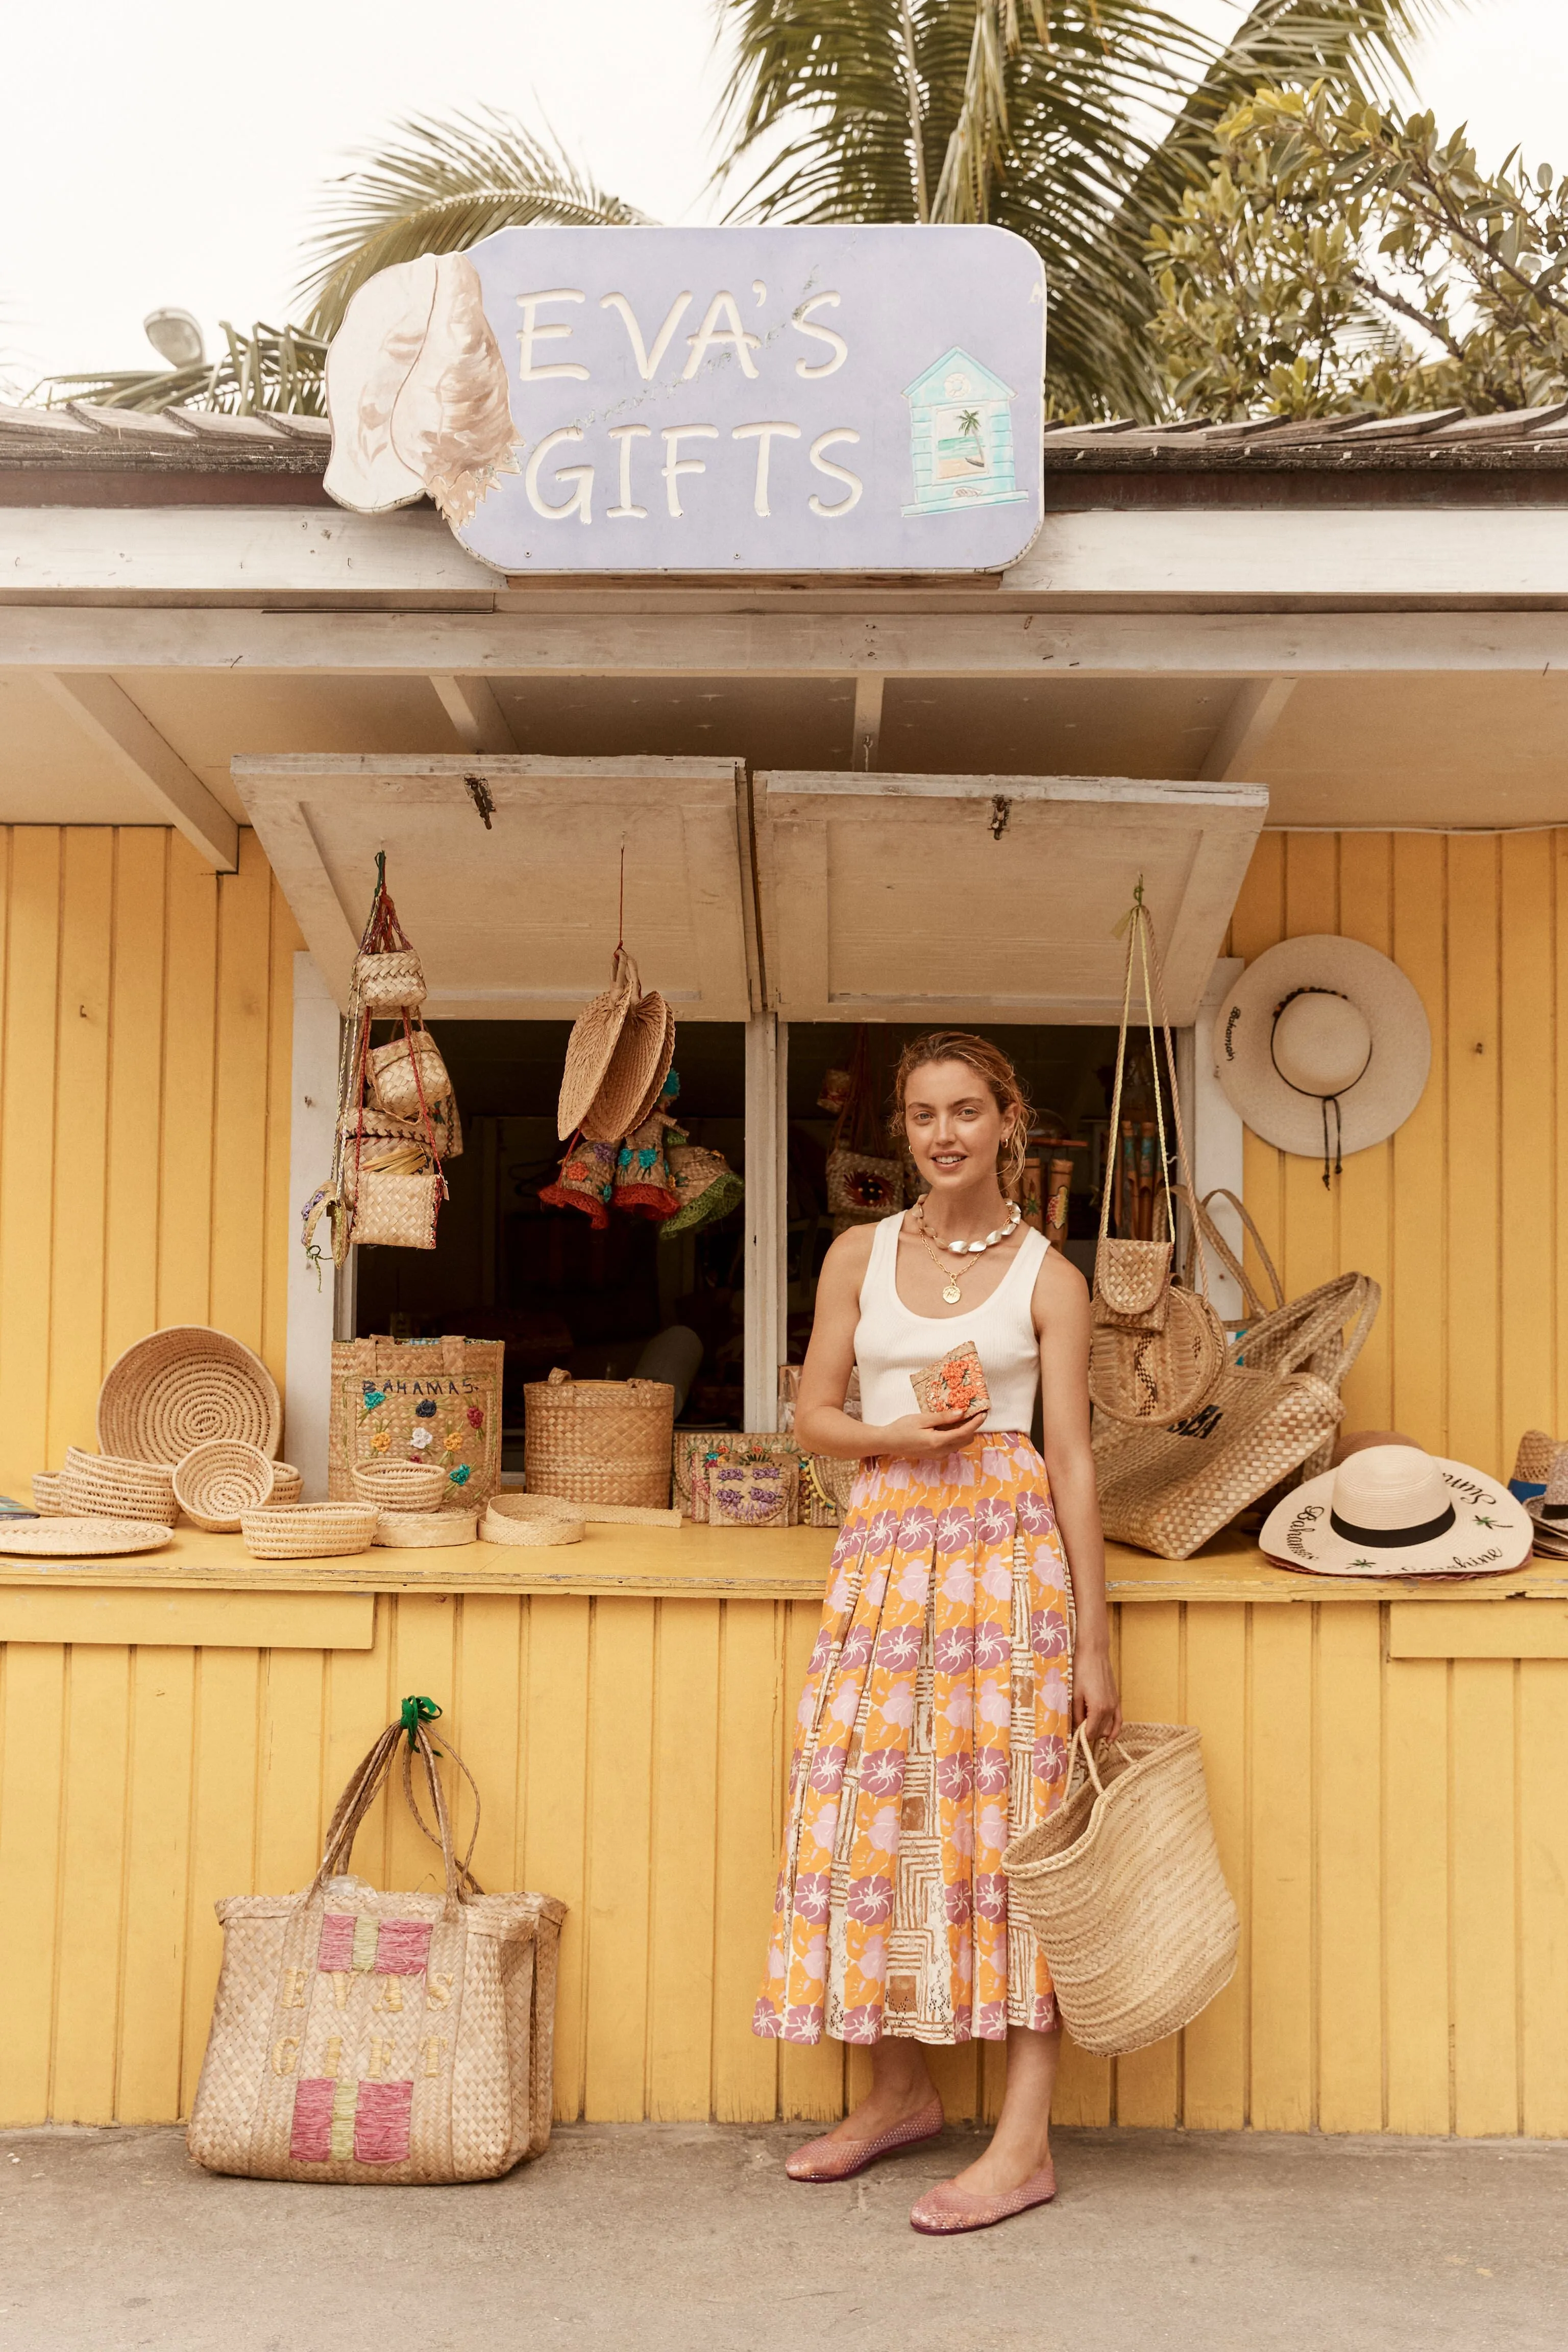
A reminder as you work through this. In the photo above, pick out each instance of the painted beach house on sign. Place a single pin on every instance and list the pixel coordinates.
(801, 400)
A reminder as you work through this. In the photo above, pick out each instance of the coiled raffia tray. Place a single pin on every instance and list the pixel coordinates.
(89, 1538)
(398, 1486)
(179, 1387)
(110, 1486)
(215, 1482)
(549, 1527)
(309, 1531)
(425, 1531)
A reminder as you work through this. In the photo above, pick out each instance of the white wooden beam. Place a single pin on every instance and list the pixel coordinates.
(867, 733)
(102, 709)
(1254, 711)
(663, 643)
(312, 1291)
(477, 719)
(767, 1117)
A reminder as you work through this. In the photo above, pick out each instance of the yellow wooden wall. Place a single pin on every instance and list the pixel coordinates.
(1394, 1829)
(1457, 1215)
(145, 1021)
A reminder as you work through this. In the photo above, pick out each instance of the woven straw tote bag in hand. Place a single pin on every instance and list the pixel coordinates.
(1156, 1350)
(1122, 1886)
(358, 2036)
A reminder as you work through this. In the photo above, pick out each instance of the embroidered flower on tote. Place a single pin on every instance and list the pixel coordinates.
(453, 1440)
(461, 1475)
(426, 1408)
(381, 1439)
(476, 1418)
(421, 1437)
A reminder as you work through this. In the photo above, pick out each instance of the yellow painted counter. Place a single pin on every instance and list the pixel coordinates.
(1388, 1772)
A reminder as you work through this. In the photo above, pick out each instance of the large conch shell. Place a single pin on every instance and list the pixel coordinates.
(418, 394)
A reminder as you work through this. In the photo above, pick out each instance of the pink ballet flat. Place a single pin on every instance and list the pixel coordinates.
(840, 2159)
(946, 2210)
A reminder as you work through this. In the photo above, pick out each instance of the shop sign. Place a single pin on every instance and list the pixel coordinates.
(798, 400)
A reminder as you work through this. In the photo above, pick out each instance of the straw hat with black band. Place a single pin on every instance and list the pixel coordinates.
(1323, 1046)
(1394, 1511)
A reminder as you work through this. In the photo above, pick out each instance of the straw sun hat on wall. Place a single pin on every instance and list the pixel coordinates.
(1323, 1048)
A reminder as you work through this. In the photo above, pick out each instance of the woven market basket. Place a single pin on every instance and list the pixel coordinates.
(402, 1530)
(47, 1496)
(180, 1386)
(393, 980)
(217, 1481)
(309, 1530)
(398, 1486)
(1122, 1886)
(397, 1212)
(114, 1488)
(599, 1441)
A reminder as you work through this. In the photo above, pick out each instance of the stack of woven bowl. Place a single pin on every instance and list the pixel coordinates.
(404, 1497)
(188, 1420)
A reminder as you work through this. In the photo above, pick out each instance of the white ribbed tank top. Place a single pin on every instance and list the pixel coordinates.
(891, 1341)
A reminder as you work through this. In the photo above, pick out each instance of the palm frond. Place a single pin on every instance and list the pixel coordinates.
(277, 371)
(437, 188)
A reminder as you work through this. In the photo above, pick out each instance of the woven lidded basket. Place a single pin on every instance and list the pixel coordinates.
(1122, 1886)
(393, 1074)
(398, 1486)
(394, 979)
(109, 1486)
(181, 1386)
(217, 1481)
(599, 1441)
(309, 1531)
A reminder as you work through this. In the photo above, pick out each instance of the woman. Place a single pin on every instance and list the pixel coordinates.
(933, 1727)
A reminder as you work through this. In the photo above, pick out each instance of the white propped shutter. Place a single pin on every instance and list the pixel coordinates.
(990, 898)
(516, 922)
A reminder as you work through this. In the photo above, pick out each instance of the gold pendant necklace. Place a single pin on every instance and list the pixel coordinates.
(953, 1275)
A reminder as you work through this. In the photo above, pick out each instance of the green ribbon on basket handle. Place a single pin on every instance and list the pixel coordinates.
(417, 1711)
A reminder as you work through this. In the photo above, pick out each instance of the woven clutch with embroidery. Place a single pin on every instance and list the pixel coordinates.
(955, 1384)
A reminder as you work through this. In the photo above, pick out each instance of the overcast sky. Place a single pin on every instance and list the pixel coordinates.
(170, 153)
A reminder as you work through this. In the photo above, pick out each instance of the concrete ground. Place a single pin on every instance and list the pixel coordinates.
(686, 2237)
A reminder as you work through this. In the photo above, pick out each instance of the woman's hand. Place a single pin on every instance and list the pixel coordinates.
(924, 1435)
(1095, 1698)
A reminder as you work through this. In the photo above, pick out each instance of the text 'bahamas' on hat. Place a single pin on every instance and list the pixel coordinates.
(1394, 1511)
(1323, 1046)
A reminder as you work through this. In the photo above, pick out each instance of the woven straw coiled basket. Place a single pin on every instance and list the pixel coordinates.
(217, 1481)
(309, 1530)
(398, 1486)
(179, 1387)
(107, 1486)
(599, 1441)
(1122, 1886)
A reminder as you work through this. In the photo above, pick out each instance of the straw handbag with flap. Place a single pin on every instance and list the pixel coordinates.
(1122, 1886)
(381, 2038)
(1156, 1349)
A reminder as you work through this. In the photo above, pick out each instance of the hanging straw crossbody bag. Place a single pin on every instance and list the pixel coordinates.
(1122, 1886)
(365, 2037)
(1157, 1348)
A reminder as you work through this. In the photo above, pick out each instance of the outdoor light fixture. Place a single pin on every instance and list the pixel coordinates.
(176, 337)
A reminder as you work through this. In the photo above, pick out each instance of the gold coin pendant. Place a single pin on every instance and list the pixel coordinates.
(952, 1293)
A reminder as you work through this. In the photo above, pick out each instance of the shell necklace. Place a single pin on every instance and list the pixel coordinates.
(951, 1291)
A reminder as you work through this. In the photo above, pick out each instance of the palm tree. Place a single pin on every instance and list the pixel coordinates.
(1075, 123)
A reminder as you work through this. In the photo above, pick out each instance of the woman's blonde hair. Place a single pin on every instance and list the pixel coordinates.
(987, 1062)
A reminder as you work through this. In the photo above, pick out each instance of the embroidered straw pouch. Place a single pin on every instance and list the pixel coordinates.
(365, 2037)
(1122, 1886)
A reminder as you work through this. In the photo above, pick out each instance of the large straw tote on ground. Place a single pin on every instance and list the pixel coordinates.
(1156, 1351)
(433, 1401)
(1123, 1887)
(182, 1385)
(365, 2037)
(598, 1441)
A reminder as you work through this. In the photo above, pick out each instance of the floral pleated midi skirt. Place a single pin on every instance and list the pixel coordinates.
(933, 1731)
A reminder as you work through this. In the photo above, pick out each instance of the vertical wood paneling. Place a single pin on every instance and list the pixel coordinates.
(811, 2078)
(1527, 1206)
(685, 1807)
(1417, 1304)
(555, 1818)
(1347, 1768)
(750, 1705)
(1214, 2046)
(1415, 1857)
(1279, 1875)
(1367, 913)
(1472, 1332)
(1147, 2082)
(144, 1048)
(1483, 1897)
(1543, 1894)
(32, 1772)
(87, 1974)
(620, 1790)
(157, 1858)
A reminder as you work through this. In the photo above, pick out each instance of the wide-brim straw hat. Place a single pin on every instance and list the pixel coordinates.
(1394, 1511)
(1320, 1025)
(595, 1034)
(637, 1068)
